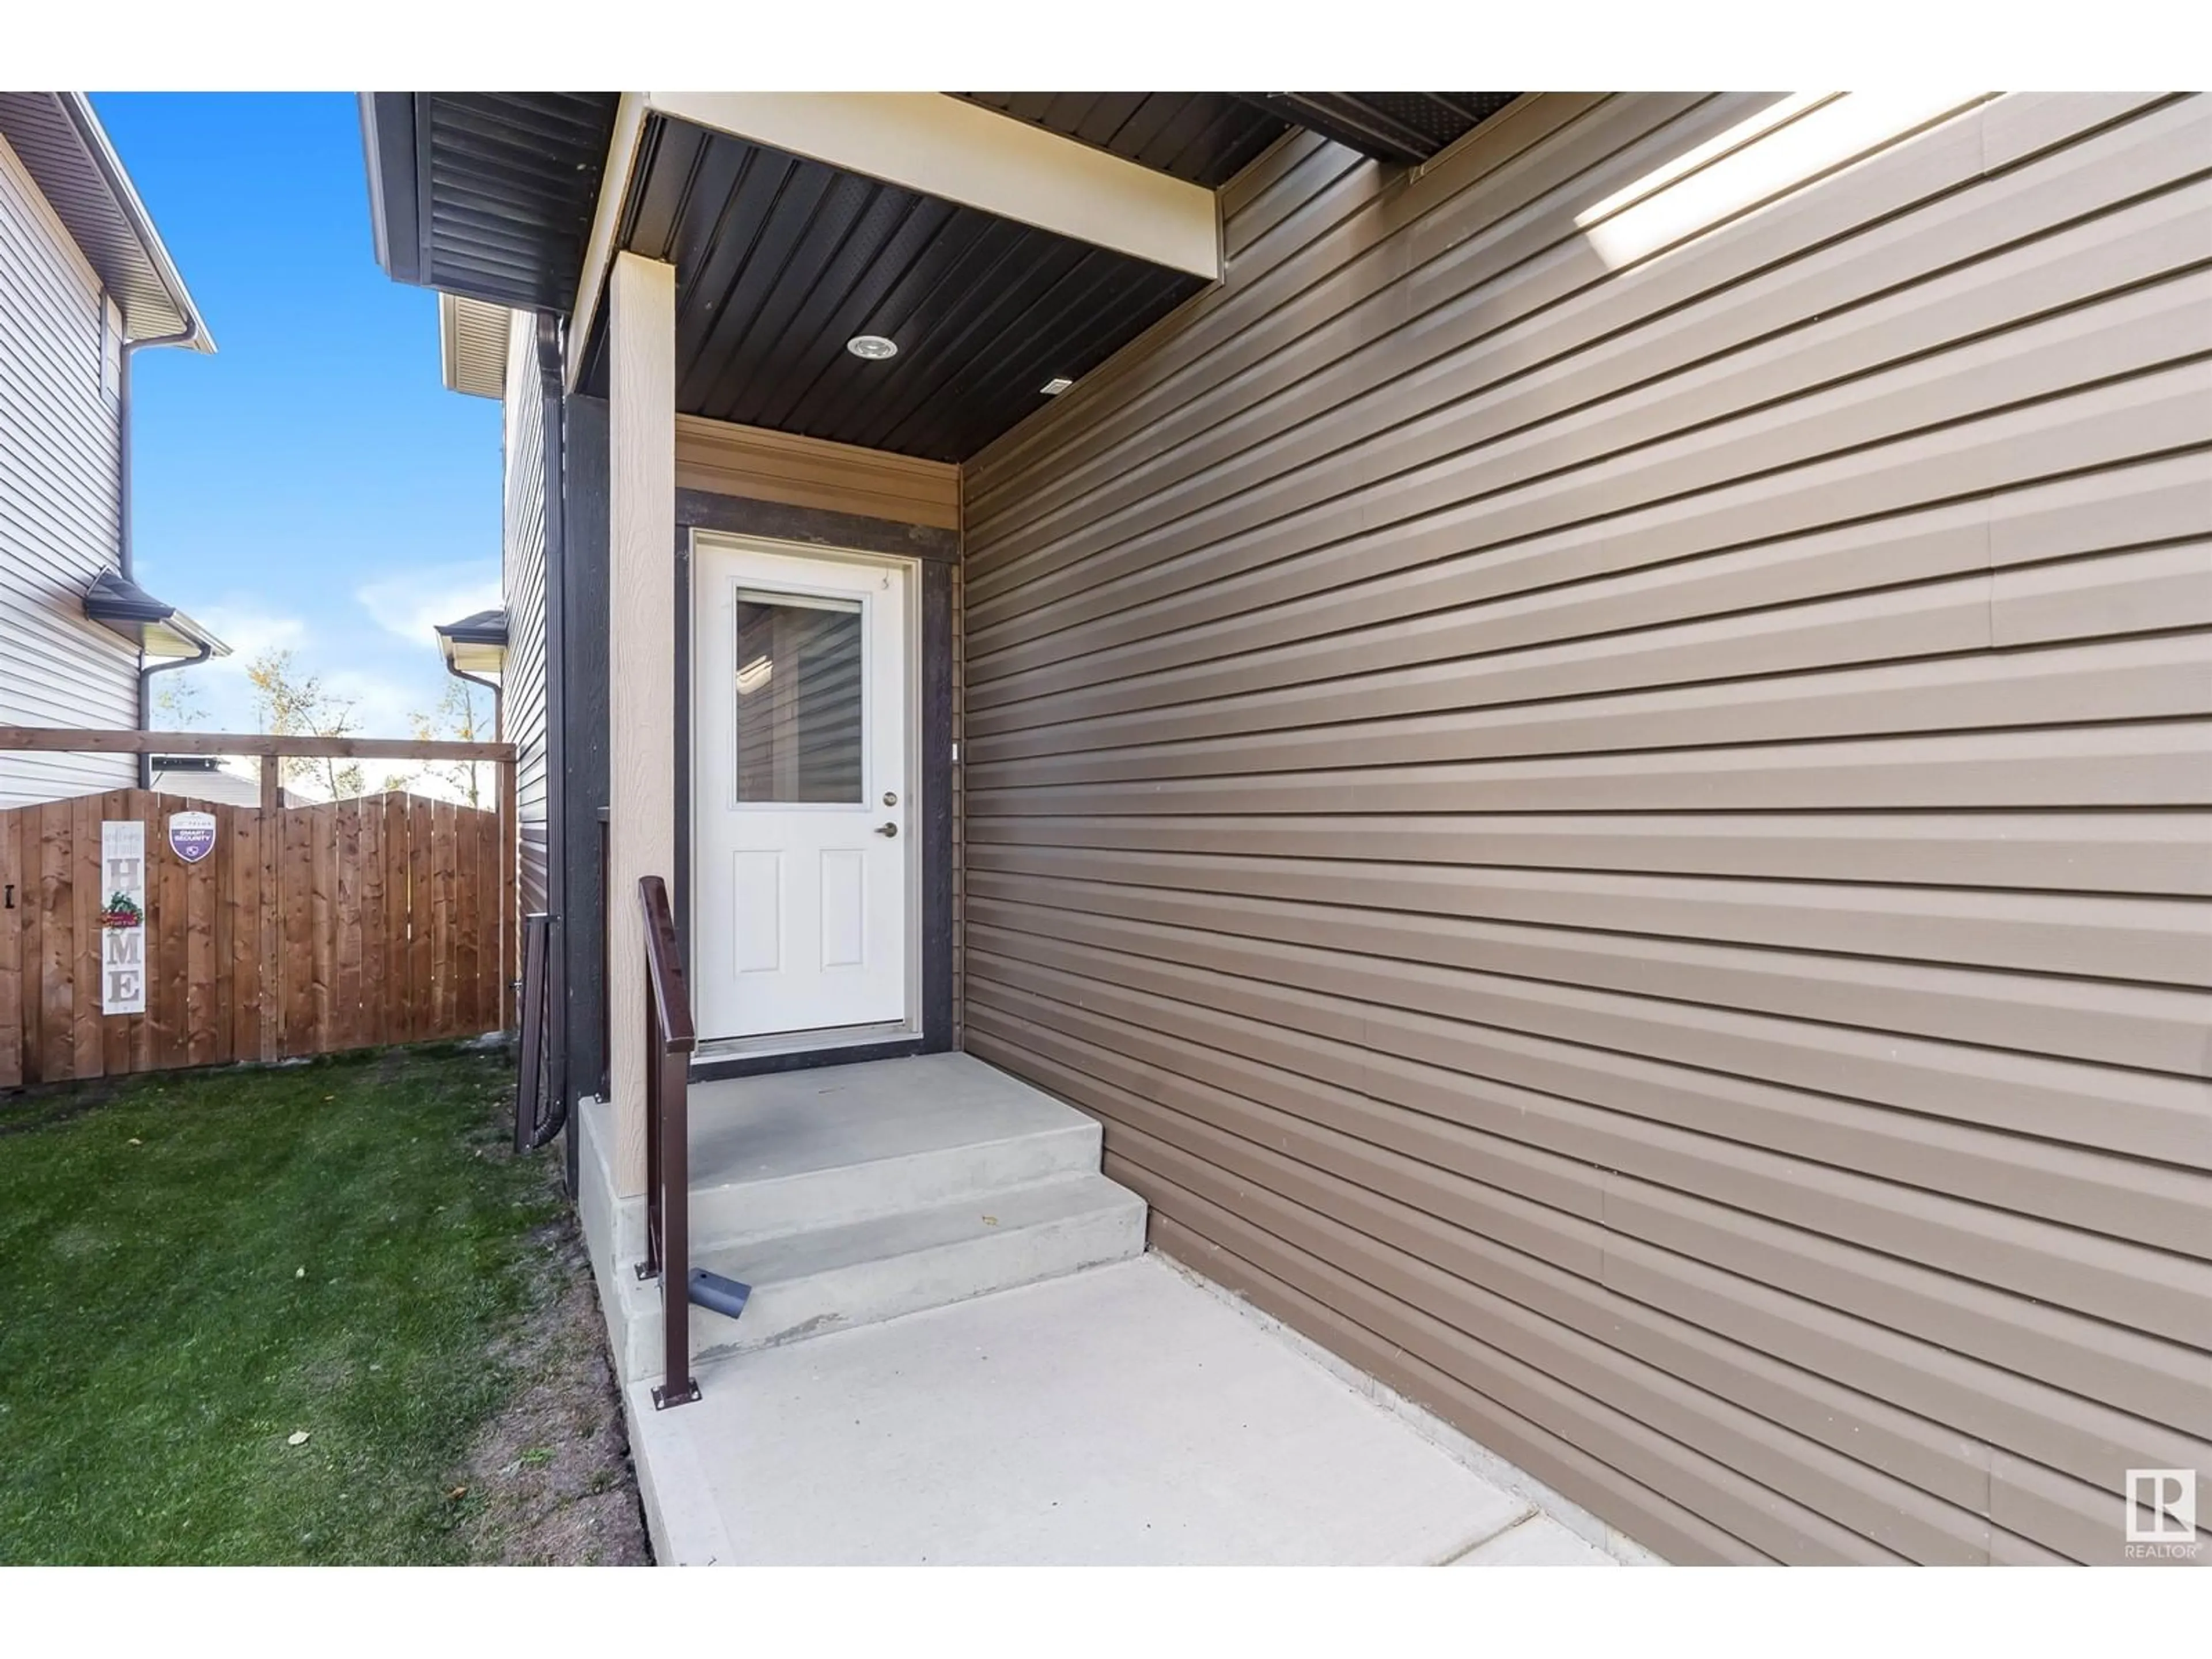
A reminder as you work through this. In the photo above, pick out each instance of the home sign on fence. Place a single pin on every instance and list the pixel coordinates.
(123, 917)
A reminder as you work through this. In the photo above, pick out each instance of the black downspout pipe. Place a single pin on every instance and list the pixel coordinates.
(145, 702)
(185, 336)
(498, 712)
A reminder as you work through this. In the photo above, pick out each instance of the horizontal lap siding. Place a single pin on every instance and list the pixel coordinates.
(60, 436)
(1599, 764)
(523, 585)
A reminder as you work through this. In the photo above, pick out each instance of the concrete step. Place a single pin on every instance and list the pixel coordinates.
(814, 1149)
(825, 1278)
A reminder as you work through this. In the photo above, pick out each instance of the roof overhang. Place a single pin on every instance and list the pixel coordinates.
(64, 148)
(485, 194)
(154, 626)
(936, 145)
(1006, 244)
(475, 645)
(472, 336)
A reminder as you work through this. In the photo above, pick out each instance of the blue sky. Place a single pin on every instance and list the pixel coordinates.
(312, 485)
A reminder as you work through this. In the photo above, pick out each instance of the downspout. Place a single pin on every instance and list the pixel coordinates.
(146, 672)
(498, 704)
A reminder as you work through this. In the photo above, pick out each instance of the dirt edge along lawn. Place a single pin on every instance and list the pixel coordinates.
(198, 1269)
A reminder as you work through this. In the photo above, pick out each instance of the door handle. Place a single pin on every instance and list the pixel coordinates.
(887, 829)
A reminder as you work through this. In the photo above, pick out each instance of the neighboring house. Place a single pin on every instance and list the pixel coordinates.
(85, 283)
(1580, 718)
(204, 777)
(475, 650)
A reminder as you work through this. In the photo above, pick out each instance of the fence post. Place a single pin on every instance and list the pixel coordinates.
(510, 917)
(269, 921)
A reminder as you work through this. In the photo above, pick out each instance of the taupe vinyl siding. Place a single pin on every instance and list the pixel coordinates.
(1599, 764)
(60, 437)
(522, 584)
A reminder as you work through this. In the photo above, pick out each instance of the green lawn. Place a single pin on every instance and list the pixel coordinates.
(195, 1267)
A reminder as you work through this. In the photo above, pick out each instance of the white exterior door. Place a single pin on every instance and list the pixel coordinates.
(801, 807)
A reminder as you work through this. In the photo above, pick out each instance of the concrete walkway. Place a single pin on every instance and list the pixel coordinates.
(1120, 1416)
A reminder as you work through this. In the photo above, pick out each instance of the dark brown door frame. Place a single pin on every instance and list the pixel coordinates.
(937, 552)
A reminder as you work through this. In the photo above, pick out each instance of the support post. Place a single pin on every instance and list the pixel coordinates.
(269, 919)
(641, 623)
(510, 907)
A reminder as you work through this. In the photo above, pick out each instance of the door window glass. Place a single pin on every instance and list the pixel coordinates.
(798, 695)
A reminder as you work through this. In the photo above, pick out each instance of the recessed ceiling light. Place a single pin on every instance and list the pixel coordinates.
(873, 347)
(1058, 384)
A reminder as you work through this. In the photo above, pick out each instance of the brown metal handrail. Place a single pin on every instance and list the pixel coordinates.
(669, 1040)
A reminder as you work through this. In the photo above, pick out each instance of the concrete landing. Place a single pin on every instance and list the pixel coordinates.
(831, 1144)
(1121, 1416)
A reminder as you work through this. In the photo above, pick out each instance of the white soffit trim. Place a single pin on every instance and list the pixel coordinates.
(960, 152)
(472, 345)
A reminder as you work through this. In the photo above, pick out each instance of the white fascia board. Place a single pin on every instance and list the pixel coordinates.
(599, 245)
(945, 147)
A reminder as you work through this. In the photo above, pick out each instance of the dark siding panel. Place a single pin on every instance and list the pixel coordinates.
(523, 582)
(581, 574)
(1599, 765)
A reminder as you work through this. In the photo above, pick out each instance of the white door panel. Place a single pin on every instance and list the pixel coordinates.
(800, 797)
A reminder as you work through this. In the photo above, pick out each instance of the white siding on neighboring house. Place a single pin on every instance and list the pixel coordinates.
(232, 788)
(60, 447)
(522, 589)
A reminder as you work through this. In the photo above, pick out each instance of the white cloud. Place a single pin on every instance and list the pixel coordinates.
(249, 631)
(411, 603)
(226, 695)
(381, 703)
(384, 693)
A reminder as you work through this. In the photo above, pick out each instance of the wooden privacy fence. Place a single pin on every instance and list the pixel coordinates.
(301, 930)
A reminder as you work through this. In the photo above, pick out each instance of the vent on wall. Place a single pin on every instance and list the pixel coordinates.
(472, 345)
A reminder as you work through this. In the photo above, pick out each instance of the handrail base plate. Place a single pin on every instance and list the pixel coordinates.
(664, 1397)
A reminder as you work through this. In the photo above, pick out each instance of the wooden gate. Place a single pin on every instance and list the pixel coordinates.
(304, 929)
